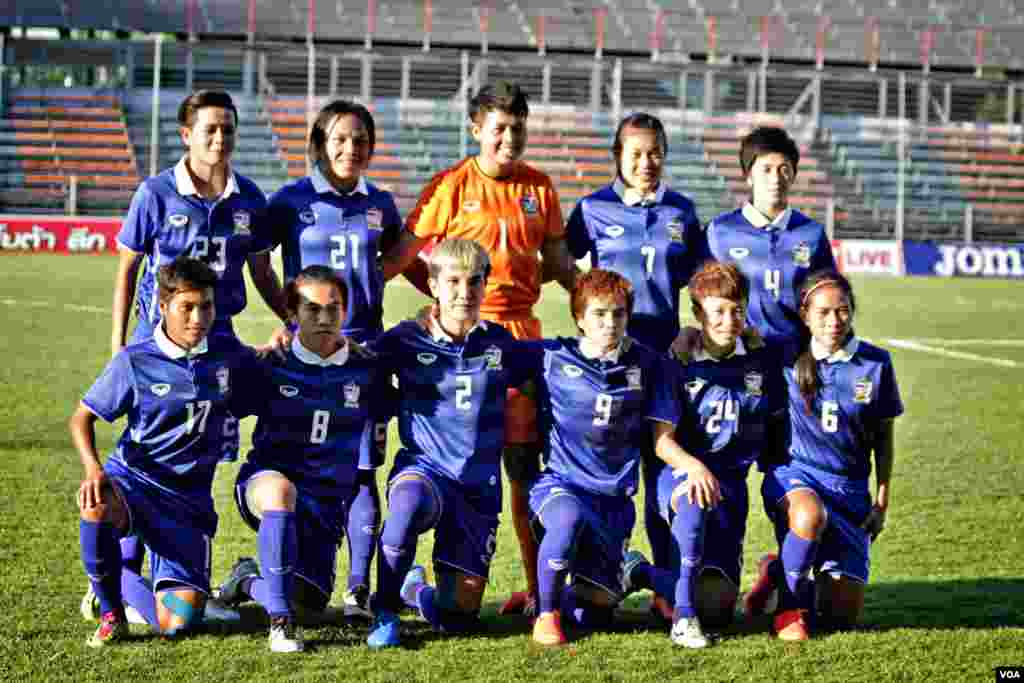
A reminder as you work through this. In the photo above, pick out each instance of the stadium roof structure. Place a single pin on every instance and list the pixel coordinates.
(943, 33)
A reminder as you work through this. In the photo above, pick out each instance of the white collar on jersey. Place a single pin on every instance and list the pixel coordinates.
(186, 187)
(703, 355)
(841, 355)
(759, 220)
(588, 352)
(339, 357)
(631, 197)
(321, 185)
(438, 334)
(172, 350)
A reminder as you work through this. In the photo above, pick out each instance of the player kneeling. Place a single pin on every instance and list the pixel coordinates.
(175, 389)
(731, 401)
(313, 460)
(599, 396)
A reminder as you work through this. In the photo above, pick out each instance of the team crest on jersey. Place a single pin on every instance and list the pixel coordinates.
(426, 358)
(351, 393)
(471, 205)
(222, 379)
(572, 371)
(802, 255)
(739, 253)
(862, 390)
(493, 358)
(634, 378)
(374, 218)
(308, 216)
(753, 381)
(160, 390)
(675, 231)
(615, 231)
(288, 391)
(242, 222)
(694, 386)
(529, 204)
(177, 220)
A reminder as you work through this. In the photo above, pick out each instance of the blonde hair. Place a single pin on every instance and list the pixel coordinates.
(466, 253)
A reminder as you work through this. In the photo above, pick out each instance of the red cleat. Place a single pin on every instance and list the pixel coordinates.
(791, 625)
(662, 610)
(520, 602)
(547, 630)
(756, 599)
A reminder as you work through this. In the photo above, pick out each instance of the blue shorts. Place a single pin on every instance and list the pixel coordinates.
(319, 521)
(178, 531)
(609, 525)
(726, 524)
(845, 546)
(465, 534)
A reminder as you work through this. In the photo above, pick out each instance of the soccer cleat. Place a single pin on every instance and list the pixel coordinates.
(547, 630)
(687, 632)
(90, 609)
(357, 603)
(757, 598)
(630, 561)
(791, 625)
(230, 592)
(414, 578)
(285, 636)
(520, 602)
(113, 628)
(661, 610)
(386, 631)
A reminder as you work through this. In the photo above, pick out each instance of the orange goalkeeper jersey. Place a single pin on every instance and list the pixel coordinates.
(511, 218)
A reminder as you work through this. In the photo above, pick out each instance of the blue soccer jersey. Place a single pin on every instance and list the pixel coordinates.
(177, 407)
(451, 398)
(318, 418)
(316, 225)
(726, 406)
(656, 246)
(858, 390)
(775, 257)
(596, 413)
(168, 219)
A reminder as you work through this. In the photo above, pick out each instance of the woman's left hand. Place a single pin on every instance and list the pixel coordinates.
(875, 521)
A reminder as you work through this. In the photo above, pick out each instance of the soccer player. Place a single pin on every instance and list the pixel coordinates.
(512, 210)
(452, 384)
(642, 229)
(601, 396)
(174, 389)
(732, 405)
(773, 245)
(313, 458)
(334, 218)
(843, 401)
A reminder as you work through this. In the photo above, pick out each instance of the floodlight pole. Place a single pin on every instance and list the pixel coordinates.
(154, 123)
(464, 95)
(248, 75)
(901, 161)
(310, 73)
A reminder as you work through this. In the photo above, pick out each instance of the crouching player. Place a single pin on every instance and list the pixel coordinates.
(731, 402)
(843, 401)
(452, 381)
(174, 388)
(313, 459)
(598, 395)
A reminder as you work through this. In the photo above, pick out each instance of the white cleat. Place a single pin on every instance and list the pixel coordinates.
(285, 636)
(687, 633)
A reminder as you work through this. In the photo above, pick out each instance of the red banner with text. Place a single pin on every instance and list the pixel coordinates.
(58, 235)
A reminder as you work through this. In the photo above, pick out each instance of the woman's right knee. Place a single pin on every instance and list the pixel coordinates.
(807, 515)
(271, 491)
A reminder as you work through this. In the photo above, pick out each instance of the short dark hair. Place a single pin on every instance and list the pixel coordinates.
(189, 108)
(184, 274)
(643, 121)
(316, 149)
(503, 96)
(767, 140)
(313, 275)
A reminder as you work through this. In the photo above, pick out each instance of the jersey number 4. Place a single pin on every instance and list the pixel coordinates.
(773, 281)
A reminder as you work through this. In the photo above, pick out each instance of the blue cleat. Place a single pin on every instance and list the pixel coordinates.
(414, 578)
(231, 593)
(385, 631)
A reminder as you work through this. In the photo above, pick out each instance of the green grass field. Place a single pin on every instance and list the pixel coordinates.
(946, 601)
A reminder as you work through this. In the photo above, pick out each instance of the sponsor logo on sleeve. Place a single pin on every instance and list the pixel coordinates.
(351, 394)
(160, 390)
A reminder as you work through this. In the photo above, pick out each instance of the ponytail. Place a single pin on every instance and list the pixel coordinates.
(806, 368)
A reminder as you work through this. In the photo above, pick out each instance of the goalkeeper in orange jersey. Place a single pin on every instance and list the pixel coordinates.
(511, 209)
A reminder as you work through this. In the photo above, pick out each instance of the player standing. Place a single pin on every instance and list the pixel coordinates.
(512, 211)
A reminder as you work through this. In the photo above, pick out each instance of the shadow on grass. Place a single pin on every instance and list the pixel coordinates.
(983, 603)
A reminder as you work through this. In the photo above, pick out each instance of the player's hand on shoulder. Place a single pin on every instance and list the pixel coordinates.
(278, 344)
(686, 344)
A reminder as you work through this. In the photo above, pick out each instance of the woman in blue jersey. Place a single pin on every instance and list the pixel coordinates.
(314, 455)
(843, 401)
(174, 388)
(334, 218)
(732, 401)
(601, 397)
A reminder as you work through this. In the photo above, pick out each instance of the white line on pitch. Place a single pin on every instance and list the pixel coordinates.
(924, 348)
(968, 342)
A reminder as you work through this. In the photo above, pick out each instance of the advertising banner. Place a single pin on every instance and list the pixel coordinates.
(874, 257)
(959, 259)
(58, 234)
